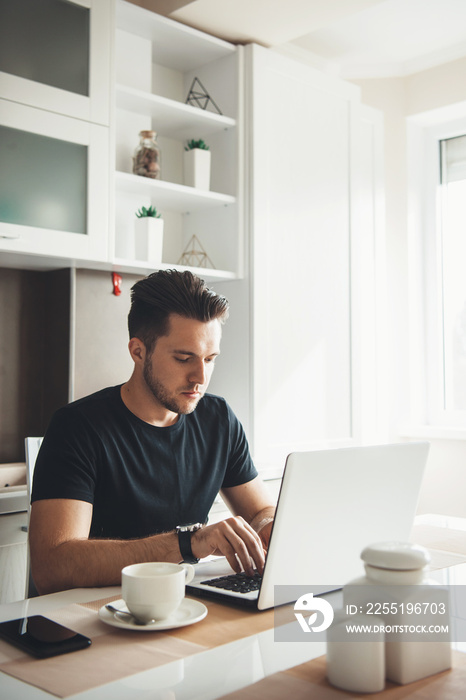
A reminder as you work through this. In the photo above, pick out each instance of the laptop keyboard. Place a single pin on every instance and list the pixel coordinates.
(239, 583)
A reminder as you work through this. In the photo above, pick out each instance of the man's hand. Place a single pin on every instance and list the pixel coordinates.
(233, 538)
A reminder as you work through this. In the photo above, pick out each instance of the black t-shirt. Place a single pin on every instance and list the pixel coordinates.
(141, 479)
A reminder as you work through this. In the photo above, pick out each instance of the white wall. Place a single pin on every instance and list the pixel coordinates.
(99, 355)
(398, 98)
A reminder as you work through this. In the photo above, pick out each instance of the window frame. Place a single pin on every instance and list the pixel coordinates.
(426, 362)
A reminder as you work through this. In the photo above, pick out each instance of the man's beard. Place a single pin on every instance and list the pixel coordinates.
(160, 393)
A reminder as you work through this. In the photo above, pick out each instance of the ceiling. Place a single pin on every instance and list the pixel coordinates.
(354, 38)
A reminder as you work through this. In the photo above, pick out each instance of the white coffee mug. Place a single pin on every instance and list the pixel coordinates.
(154, 590)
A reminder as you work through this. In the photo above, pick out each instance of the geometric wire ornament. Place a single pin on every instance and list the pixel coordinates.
(199, 97)
(194, 255)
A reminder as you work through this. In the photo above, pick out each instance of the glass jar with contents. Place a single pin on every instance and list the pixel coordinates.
(146, 159)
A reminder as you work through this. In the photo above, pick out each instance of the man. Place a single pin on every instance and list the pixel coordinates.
(120, 470)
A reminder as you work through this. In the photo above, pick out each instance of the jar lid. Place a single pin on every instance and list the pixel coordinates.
(403, 556)
(147, 134)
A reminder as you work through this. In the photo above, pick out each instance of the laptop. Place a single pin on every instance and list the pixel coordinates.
(331, 505)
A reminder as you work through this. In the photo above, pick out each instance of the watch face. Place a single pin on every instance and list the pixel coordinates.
(193, 527)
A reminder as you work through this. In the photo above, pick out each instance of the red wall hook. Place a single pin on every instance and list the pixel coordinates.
(117, 280)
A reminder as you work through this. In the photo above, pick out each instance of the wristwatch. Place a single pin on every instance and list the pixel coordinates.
(184, 533)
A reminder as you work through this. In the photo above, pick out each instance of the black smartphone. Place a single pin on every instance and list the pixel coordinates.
(42, 637)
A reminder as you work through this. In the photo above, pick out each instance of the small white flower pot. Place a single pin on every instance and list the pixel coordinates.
(148, 239)
(197, 168)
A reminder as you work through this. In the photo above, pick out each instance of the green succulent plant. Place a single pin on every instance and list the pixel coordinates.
(151, 211)
(200, 143)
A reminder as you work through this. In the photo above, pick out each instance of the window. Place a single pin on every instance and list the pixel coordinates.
(452, 219)
(437, 229)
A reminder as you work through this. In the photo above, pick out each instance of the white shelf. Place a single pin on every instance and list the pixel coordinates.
(170, 195)
(173, 44)
(123, 265)
(139, 266)
(148, 43)
(175, 119)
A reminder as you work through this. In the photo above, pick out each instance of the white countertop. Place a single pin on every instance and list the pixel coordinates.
(204, 676)
(207, 674)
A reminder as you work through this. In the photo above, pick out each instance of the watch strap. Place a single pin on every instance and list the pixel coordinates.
(184, 541)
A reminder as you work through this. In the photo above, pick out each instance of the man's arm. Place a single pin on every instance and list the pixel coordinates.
(63, 556)
(252, 502)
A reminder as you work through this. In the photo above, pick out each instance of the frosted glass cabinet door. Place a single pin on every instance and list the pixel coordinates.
(54, 54)
(44, 181)
(54, 184)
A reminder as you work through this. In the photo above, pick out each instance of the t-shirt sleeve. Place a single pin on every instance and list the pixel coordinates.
(240, 468)
(65, 465)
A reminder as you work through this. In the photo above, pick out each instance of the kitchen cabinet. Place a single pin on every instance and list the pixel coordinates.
(13, 535)
(54, 132)
(13, 556)
(56, 56)
(53, 200)
(157, 62)
(70, 197)
(304, 344)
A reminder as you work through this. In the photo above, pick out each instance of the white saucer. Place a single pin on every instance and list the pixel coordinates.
(189, 612)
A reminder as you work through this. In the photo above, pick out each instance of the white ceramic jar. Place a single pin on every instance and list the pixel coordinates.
(356, 666)
(397, 594)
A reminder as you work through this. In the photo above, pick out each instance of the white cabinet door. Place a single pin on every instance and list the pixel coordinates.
(54, 196)
(305, 177)
(13, 556)
(72, 76)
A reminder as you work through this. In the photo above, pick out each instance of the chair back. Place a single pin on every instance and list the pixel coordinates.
(32, 445)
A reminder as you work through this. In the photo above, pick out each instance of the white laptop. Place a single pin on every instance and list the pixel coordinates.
(331, 505)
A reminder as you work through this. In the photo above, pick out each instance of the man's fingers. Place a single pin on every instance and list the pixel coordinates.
(248, 546)
(235, 539)
(243, 553)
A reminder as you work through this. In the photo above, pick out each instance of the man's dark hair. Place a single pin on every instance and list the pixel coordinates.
(167, 292)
